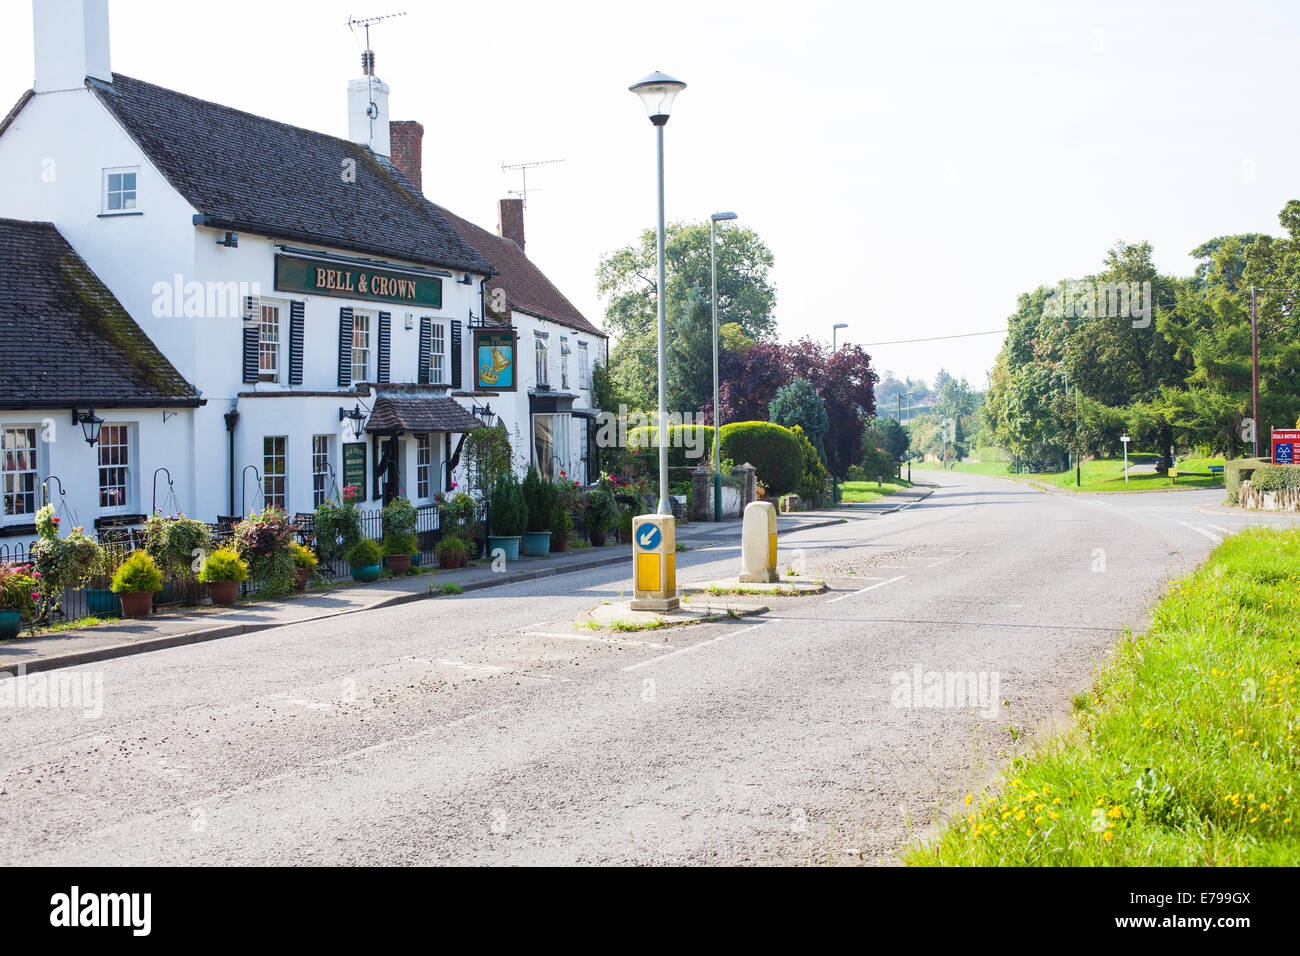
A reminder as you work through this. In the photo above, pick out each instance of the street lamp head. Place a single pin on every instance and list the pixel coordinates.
(657, 92)
(840, 325)
(723, 216)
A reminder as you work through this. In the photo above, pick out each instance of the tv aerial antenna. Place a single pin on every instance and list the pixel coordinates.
(523, 168)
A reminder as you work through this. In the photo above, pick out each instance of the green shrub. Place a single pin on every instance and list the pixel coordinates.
(364, 554)
(856, 473)
(1276, 478)
(398, 517)
(18, 590)
(262, 540)
(1235, 472)
(772, 450)
(508, 513)
(223, 566)
(138, 574)
(602, 510)
(811, 486)
(539, 497)
(62, 563)
(400, 543)
(337, 528)
(303, 558)
(458, 516)
(451, 547)
(688, 445)
(175, 542)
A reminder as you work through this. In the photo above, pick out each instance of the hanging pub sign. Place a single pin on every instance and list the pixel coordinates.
(354, 466)
(494, 360)
(317, 277)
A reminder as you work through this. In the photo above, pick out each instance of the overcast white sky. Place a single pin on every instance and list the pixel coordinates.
(914, 166)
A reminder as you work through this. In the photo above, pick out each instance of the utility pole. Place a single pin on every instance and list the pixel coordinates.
(1254, 367)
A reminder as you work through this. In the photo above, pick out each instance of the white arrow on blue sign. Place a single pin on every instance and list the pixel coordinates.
(648, 539)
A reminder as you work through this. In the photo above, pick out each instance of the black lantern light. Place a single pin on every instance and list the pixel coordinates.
(90, 424)
(485, 412)
(357, 416)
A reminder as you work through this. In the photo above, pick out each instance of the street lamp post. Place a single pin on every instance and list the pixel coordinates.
(716, 218)
(657, 92)
(835, 328)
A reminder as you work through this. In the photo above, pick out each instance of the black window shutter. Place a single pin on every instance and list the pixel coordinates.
(426, 350)
(251, 325)
(454, 357)
(297, 325)
(385, 345)
(345, 348)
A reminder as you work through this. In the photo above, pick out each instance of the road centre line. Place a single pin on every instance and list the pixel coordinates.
(693, 647)
(870, 587)
(598, 639)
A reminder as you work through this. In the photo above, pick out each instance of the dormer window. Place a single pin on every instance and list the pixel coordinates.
(120, 190)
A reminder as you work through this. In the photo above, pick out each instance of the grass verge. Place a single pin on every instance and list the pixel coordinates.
(860, 491)
(1184, 752)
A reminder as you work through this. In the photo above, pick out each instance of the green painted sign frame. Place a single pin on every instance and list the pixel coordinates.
(318, 277)
(354, 467)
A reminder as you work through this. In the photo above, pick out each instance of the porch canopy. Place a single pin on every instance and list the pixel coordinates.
(391, 416)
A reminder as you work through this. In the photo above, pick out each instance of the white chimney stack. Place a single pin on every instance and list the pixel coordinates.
(368, 108)
(71, 43)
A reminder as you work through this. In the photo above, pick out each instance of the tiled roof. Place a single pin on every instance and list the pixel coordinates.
(420, 415)
(64, 338)
(526, 288)
(248, 172)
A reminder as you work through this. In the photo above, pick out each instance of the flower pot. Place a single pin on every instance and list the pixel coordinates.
(223, 592)
(559, 543)
(507, 543)
(300, 584)
(450, 562)
(101, 602)
(370, 573)
(597, 538)
(399, 563)
(11, 623)
(537, 544)
(137, 603)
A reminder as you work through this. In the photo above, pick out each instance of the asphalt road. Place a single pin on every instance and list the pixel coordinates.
(487, 728)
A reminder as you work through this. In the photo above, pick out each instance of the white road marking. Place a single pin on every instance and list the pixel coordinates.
(1220, 529)
(870, 587)
(599, 639)
(694, 647)
(1213, 537)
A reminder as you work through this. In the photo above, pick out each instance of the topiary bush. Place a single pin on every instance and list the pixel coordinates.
(539, 496)
(399, 543)
(508, 514)
(138, 574)
(224, 566)
(364, 554)
(772, 450)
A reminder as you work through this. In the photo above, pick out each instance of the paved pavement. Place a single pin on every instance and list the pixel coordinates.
(494, 728)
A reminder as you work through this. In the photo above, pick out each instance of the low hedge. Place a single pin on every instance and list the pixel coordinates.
(1235, 472)
(699, 438)
(772, 450)
(1275, 478)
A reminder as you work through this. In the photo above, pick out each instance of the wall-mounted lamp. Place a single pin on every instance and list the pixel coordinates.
(357, 416)
(231, 241)
(485, 412)
(90, 424)
(468, 280)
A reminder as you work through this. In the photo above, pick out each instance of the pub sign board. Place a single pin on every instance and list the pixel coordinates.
(316, 277)
(354, 466)
(1286, 442)
(495, 352)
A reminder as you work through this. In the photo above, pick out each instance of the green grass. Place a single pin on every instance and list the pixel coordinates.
(451, 588)
(860, 491)
(997, 468)
(1102, 474)
(1185, 751)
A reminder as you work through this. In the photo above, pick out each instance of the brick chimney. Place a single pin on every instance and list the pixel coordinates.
(510, 214)
(407, 138)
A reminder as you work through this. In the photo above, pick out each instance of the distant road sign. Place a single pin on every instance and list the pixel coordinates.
(1285, 441)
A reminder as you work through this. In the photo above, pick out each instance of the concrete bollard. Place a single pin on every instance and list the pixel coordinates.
(758, 544)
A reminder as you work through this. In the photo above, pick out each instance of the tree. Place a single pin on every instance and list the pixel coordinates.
(797, 404)
(889, 435)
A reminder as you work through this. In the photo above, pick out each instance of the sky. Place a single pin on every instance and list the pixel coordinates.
(913, 166)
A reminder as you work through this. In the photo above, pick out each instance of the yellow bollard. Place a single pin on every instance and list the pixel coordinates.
(758, 544)
(654, 563)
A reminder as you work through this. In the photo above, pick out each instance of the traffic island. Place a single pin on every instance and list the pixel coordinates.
(622, 617)
(791, 587)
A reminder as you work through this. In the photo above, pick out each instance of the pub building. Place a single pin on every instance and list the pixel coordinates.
(274, 313)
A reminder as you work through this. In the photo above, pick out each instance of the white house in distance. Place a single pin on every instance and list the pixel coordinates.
(319, 312)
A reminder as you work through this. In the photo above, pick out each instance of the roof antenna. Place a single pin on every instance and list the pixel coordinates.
(523, 168)
(368, 61)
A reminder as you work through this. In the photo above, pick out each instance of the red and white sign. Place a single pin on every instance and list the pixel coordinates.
(1286, 442)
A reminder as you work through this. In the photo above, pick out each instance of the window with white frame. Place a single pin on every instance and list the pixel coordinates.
(268, 344)
(438, 354)
(360, 347)
(584, 368)
(275, 471)
(114, 467)
(540, 351)
(551, 445)
(18, 460)
(423, 465)
(120, 189)
(320, 469)
(564, 362)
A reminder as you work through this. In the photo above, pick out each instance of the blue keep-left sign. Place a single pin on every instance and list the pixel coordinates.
(648, 537)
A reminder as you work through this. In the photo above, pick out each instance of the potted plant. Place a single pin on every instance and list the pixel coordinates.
(364, 560)
(562, 526)
(223, 572)
(135, 584)
(539, 496)
(399, 548)
(625, 517)
(304, 562)
(508, 516)
(61, 564)
(262, 540)
(601, 512)
(18, 599)
(451, 553)
(458, 517)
